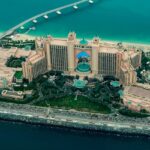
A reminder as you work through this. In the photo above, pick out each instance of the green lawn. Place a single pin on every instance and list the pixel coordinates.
(18, 74)
(82, 104)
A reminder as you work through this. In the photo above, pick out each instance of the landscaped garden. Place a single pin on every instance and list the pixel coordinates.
(7, 42)
(143, 73)
(82, 104)
(60, 91)
(15, 62)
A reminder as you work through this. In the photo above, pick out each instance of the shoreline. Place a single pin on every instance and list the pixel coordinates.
(77, 130)
(71, 119)
(136, 44)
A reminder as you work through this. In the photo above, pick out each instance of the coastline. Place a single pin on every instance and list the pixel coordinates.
(131, 44)
(75, 119)
(138, 44)
(72, 119)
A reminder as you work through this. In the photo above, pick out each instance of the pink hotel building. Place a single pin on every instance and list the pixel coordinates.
(82, 57)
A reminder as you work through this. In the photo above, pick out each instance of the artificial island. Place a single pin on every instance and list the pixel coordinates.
(79, 83)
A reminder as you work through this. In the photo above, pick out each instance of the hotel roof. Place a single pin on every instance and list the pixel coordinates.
(24, 53)
(59, 42)
(139, 91)
(35, 58)
(107, 49)
(7, 73)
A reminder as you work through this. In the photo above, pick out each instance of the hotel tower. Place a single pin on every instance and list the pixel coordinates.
(82, 57)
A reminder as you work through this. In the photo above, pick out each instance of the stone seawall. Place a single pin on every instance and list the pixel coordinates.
(73, 119)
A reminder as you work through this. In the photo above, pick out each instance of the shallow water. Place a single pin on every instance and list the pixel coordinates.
(121, 20)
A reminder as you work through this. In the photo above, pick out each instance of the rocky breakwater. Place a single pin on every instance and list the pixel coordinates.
(74, 119)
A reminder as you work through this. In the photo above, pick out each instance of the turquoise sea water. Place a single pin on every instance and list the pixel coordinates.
(121, 20)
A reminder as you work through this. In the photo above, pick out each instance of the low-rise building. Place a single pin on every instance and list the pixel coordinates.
(12, 94)
(137, 98)
(7, 73)
(6, 77)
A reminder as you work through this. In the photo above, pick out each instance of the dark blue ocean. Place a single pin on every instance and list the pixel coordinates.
(15, 136)
(121, 20)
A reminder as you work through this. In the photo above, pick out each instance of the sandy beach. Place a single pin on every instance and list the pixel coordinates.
(126, 44)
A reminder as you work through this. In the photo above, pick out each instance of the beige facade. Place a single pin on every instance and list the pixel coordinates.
(101, 58)
(135, 58)
(130, 61)
(95, 51)
(71, 60)
(107, 63)
(137, 98)
(7, 73)
(34, 66)
(6, 77)
(127, 76)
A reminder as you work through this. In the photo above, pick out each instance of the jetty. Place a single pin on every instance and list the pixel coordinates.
(45, 15)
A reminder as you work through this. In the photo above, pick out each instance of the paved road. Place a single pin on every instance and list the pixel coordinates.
(74, 117)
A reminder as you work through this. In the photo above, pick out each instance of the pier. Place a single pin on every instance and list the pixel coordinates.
(33, 19)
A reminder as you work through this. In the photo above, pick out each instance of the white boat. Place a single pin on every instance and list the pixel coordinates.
(75, 7)
(22, 27)
(91, 1)
(58, 12)
(46, 16)
(35, 21)
(32, 28)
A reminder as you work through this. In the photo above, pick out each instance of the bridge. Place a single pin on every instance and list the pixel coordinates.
(33, 19)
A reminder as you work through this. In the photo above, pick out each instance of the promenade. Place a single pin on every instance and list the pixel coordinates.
(74, 119)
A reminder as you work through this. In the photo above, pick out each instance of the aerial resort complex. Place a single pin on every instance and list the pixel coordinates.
(84, 58)
(104, 85)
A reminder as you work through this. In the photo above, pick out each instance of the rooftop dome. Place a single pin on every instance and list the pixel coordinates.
(82, 54)
(83, 42)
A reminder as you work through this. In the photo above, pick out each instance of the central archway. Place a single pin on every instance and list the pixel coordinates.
(83, 62)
